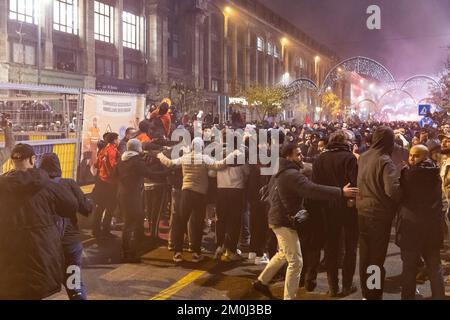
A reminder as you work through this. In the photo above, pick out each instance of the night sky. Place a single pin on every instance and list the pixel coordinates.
(414, 35)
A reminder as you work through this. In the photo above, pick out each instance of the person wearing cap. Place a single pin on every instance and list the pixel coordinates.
(130, 173)
(31, 259)
(6, 126)
(71, 239)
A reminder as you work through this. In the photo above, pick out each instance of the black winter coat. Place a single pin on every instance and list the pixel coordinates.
(288, 188)
(336, 167)
(68, 226)
(420, 223)
(31, 257)
(378, 178)
(131, 172)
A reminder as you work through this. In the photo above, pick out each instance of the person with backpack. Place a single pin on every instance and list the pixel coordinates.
(105, 190)
(71, 236)
(287, 191)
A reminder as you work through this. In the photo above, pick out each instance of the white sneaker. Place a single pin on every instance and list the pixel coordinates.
(239, 252)
(252, 256)
(218, 253)
(262, 260)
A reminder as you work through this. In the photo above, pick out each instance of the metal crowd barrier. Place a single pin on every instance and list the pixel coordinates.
(64, 148)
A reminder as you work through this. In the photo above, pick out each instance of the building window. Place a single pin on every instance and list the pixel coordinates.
(23, 53)
(260, 44)
(105, 67)
(214, 85)
(66, 60)
(276, 52)
(132, 71)
(65, 16)
(269, 49)
(23, 10)
(131, 30)
(104, 22)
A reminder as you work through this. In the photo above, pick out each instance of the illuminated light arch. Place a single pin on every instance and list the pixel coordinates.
(361, 65)
(420, 77)
(295, 86)
(396, 90)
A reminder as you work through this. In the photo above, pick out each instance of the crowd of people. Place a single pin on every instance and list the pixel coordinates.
(338, 186)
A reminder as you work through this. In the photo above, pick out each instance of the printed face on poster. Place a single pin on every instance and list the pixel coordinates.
(102, 114)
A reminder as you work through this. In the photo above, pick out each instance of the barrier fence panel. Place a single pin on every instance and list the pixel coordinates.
(44, 117)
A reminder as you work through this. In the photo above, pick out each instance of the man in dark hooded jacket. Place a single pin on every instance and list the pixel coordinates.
(31, 260)
(288, 188)
(71, 239)
(377, 203)
(419, 230)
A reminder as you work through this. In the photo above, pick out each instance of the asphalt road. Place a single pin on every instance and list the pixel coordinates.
(157, 277)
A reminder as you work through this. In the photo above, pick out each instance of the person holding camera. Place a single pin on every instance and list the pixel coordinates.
(6, 126)
(288, 188)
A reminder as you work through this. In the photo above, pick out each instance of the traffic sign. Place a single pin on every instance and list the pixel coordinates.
(424, 109)
(426, 121)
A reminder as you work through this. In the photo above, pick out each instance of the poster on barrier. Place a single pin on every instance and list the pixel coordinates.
(105, 113)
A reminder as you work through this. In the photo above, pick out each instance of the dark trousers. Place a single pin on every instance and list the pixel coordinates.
(311, 234)
(193, 206)
(73, 256)
(102, 218)
(432, 259)
(259, 228)
(245, 225)
(374, 237)
(272, 243)
(105, 198)
(133, 229)
(345, 222)
(156, 203)
(230, 207)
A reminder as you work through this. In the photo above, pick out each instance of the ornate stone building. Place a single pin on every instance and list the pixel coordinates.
(199, 52)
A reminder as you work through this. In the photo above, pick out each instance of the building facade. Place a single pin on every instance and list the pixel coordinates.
(198, 52)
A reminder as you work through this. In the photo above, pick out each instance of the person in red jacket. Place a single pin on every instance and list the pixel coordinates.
(162, 113)
(105, 190)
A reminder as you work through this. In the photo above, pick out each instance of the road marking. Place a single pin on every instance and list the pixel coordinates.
(183, 282)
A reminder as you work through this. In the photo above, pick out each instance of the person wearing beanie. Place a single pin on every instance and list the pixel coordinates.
(195, 167)
(71, 236)
(130, 174)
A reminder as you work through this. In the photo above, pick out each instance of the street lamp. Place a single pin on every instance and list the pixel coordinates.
(228, 10)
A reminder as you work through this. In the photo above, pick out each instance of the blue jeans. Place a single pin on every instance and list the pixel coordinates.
(73, 256)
